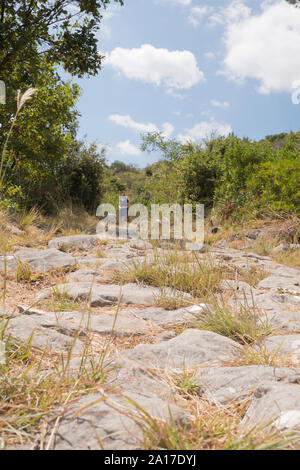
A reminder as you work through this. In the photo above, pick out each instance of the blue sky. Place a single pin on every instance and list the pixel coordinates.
(189, 67)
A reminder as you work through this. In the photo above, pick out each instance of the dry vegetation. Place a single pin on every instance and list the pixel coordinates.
(34, 383)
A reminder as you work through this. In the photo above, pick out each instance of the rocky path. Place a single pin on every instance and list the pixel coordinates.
(151, 345)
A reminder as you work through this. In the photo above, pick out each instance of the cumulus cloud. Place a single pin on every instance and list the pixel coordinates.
(126, 121)
(266, 47)
(161, 67)
(204, 130)
(127, 148)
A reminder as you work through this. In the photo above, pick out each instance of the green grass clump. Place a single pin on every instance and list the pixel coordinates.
(244, 325)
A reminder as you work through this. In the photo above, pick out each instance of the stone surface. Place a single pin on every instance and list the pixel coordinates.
(224, 384)
(238, 286)
(70, 323)
(281, 282)
(141, 245)
(285, 344)
(45, 260)
(191, 348)
(279, 403)
(131, 376)
(92, 419)
(25, 328)
(72, 242)
(85, 275)
(121, 253)
(285, 247)
(107, 294)
(111, 265)
(161, 316)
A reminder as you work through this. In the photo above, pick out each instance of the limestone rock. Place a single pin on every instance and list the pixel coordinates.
(161, 316)
(285, 344)
(114, 421)
(26, 328)
(45, 260)
(72, 242)
(108, 294)
(191, 348)
(279, 403)
(224, 384)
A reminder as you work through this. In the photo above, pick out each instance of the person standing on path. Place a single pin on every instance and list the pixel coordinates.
(123, 214)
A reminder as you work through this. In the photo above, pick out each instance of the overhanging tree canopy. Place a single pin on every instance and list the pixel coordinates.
(63, 31)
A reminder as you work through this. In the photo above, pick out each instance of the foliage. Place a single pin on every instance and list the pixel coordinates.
(64, 32)
(229, 174)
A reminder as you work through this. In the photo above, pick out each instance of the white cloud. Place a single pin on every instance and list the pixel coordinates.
(127, 121)
(197, 13)
(167, 129)
(219, 104)
(175, 2)
(236, 11)
(204, 130)
(266, 47)
(105, 30)
(127, 148)
(161, 67)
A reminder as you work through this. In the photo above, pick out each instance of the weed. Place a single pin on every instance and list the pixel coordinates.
(244, 325)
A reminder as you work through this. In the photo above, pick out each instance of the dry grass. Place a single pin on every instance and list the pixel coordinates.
(290, 257)
(35, 384)
(249, 355)
(199, 279)
(209, 427)
(243, 324)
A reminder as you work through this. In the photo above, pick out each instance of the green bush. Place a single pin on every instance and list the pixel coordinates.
(275, 185)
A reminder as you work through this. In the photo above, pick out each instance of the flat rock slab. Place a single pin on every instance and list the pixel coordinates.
(161, 316)
(236, 286)
(108, 294)
(285, 344)
(114, 421)
(85, 275)
(111, 265)
(141, 245)
(224, 384)
(120, 253)
(74, 242)
(191, 348)
(281, 282)
(279, 403)
(8, 262)
(25, 328)
(89, 261)
(45, 260)
(72, 323)
(292, 298)
(131, 376)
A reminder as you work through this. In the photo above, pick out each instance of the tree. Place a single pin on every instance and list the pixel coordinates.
(61, 31)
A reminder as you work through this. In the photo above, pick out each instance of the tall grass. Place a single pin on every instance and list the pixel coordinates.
(199, 278)
(242, 324)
